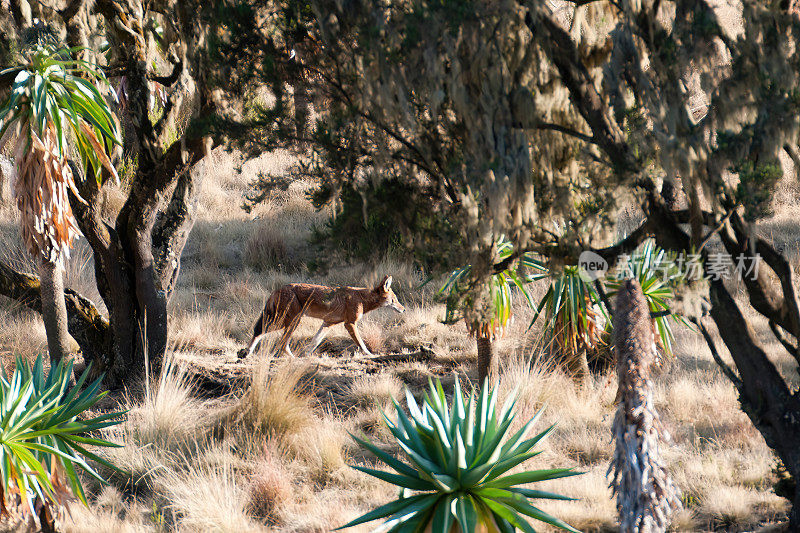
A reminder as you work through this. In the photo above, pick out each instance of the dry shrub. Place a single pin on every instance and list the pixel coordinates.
(587, 446)
(207, 497)
(276, 404)
(373, 389)
(595, 510)
(727, 507)
(320, 447)
(422, 325)
(168, 416)
(270, 486)
(22, 333)
(110, 512)
(415, 374)
(266, 248)
(369, 422)
(535, 382)
(204, 331)
(137, 464)
(92, 520)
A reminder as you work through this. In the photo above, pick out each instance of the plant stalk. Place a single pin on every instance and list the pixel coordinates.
(484, 358)
(54, 309)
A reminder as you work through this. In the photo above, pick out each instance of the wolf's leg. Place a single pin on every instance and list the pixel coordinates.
(353, 331)
(294, 313)
(317, 339)
(283, 343)
(252, 348)
(263, 325)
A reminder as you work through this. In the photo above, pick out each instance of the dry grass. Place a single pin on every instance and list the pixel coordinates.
(169, 416)
(207, 497)
(270, 488)
(266, 248)
(272, 455)
(370, 390)
(275, 404)
(22, 333)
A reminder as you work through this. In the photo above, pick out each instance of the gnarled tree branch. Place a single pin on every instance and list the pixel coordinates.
(84, 321)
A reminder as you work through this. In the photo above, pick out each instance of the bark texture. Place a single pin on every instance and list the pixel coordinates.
(646, 494)
(485, 357)
(54, 309)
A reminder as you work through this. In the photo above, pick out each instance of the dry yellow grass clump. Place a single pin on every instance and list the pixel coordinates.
(271, 455)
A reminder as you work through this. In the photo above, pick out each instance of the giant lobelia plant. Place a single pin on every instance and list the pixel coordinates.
(503, 283)
(458, 458)
(44, 436)
(54, 104)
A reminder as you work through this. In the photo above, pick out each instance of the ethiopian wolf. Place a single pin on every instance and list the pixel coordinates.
(333, 305)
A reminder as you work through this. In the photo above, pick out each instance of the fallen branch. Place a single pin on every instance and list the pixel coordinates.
(423, 354)
(84, 321)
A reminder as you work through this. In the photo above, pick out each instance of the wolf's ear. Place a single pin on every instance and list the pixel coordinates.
(385, 284)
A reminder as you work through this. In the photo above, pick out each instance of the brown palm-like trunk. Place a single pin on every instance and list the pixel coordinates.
(578, 366)
(54, 309)
(646, 494)
(484, 358)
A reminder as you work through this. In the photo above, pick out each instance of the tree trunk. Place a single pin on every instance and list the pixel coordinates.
(646, 495)
(794, 514)
(484, 358)
(764, 394)
(578, 366)
(671, 193)
(54, 309)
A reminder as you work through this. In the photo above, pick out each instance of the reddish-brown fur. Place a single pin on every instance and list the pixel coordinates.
(333, 305)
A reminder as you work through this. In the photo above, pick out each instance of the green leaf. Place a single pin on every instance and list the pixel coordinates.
(398, 466)
(510, 515)
(519, 436)
(385, 510)
(541, 494)
(521, 505)
(466, 514)
(442, 516)
(530, 477)
(413, 483)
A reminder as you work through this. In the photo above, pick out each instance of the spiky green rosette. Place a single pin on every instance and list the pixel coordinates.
(42, 438)
(502, 283)
(658, 273)
(457, 459)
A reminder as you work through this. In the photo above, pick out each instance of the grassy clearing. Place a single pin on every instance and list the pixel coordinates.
(272, 456)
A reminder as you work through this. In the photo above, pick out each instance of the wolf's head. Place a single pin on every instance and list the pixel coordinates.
(387, 295)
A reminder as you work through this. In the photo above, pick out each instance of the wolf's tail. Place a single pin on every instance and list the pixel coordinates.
(269, 316)
(265, 319)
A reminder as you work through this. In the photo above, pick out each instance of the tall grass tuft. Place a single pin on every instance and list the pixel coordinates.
(275, 404)
(169, 415)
